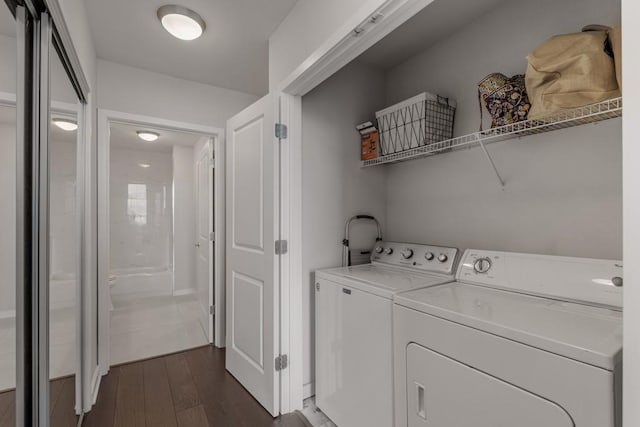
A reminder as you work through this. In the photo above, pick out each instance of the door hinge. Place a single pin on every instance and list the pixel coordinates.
(212, 310)
(281, 247)
(281, 131)
(212, 236)
(282, 362)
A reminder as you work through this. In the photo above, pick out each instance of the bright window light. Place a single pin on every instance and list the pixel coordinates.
(137, 204)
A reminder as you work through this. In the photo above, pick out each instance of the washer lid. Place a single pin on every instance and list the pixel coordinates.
(584, 333)
(382, 280)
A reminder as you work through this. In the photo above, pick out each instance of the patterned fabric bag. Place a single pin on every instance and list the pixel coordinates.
(505, 98)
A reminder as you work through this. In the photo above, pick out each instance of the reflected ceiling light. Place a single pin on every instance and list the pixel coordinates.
(144, 165)
(181, 22)
(65, 124)
(148, 136)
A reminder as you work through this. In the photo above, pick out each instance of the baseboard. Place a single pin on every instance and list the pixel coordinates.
(181, 292)
(308, 390)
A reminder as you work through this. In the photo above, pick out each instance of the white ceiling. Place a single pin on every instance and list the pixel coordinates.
(124, 136)
(435, 22)
(232, 53)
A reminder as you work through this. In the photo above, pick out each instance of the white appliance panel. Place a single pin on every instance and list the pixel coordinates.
(585, 333)
(353, 358)
(444, 392)
(435, 259)
(566, 278)
(584, 391)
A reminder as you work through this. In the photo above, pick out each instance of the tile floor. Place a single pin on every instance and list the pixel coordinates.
(62, 354)
(151, 326)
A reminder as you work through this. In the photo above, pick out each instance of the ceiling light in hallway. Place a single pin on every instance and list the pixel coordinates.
(144, 165)
(148, 136)
(181, 22)
(65, 124)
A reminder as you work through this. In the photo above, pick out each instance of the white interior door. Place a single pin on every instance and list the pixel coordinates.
(204, 236)
(251, 273)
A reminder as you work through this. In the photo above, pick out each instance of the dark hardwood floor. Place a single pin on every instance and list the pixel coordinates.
(185, 389)
(62, 405)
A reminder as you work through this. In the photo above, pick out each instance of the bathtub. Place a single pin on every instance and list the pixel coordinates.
(142, 281)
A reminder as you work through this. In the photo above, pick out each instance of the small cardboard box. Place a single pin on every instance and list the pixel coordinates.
(370, 145)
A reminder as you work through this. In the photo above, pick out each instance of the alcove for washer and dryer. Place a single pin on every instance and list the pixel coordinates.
(562, 192)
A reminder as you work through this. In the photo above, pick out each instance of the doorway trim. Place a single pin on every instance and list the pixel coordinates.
(105, 119)
(361, 31)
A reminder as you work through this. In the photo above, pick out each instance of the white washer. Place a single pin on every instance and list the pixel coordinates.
(354, 368)
(518, 340)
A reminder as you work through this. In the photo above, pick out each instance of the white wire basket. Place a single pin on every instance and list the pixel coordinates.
(418, 121)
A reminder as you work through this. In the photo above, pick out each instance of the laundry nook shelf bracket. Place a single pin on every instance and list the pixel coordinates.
(490, 160)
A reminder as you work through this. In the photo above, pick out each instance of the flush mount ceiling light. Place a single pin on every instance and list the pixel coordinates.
(144, 165)
(181, 22)
(148, 136)
(67, 125)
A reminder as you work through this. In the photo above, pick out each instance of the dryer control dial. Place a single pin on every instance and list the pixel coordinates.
(388, 251)
(379, 249)
(482, 265)
(443, 257)
(429, 256)
(407, 253)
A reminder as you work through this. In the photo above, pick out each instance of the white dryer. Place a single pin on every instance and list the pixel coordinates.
(518, 340)
(354, 368)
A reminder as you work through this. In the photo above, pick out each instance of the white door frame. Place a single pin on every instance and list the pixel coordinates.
(211, 209)
(361, 31)
(105, 119)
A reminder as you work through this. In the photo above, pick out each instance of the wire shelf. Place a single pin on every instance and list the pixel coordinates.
(608, 109)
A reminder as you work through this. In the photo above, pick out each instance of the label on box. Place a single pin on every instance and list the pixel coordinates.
(369, 144)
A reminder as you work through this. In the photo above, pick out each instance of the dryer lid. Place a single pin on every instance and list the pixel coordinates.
(585, 333)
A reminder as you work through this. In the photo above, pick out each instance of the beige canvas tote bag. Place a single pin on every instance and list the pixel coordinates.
(569, 71)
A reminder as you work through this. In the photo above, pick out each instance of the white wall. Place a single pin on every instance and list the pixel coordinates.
(132, 90)
(62, 210)
(563, 191)
(7, 219)
(309, 24)
(143, 241)
(184, 219)
(8, 63)
(61, 89)
(631, 136)
(333, 185)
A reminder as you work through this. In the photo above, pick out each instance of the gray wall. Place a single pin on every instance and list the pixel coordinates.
(334, 187)
(563, 191)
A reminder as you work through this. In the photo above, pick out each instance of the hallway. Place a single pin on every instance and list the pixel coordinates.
(191, 388)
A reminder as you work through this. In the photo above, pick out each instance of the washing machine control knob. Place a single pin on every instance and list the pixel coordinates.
(388, 251)
(443, 257)
(429, 256)
(482, 265)
(407, 253)
(379, 249)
